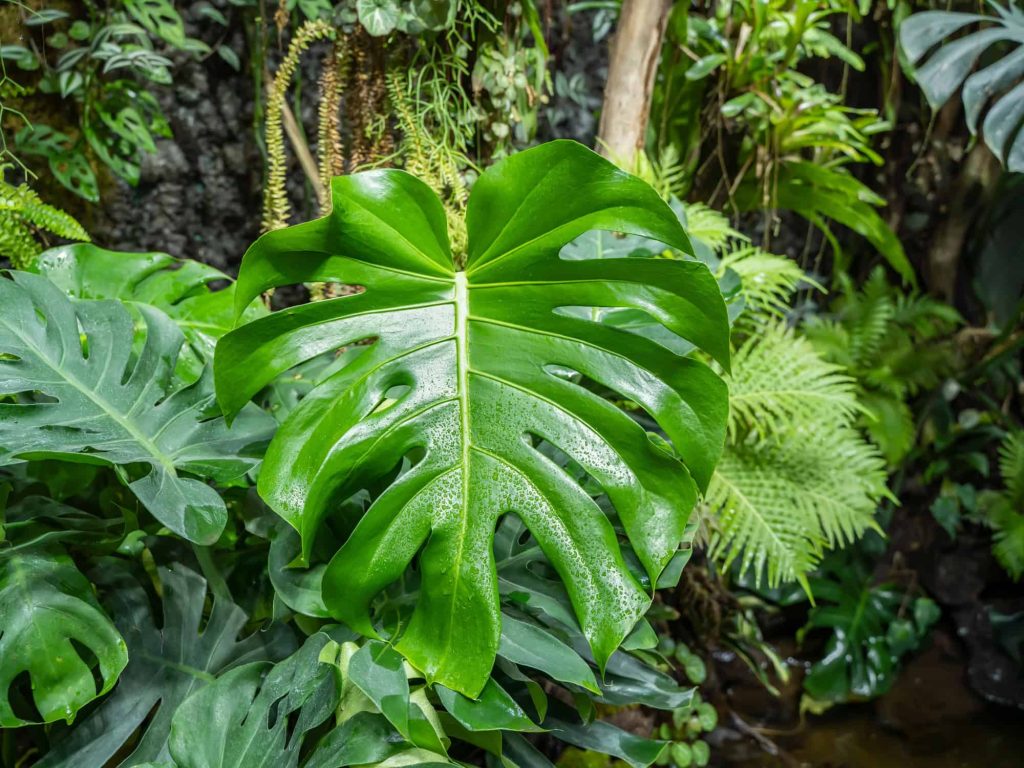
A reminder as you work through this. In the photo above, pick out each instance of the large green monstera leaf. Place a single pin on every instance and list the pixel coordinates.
(471, 364)
(79, 392)
(170, 658)
(46, 608)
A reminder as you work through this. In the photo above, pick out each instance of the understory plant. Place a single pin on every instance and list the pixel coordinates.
(411, 524)
(738, 117)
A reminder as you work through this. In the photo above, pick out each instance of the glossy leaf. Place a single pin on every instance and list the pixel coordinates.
(47, 608)
(81, 395)
(607, 739)
(493, 710)
(257, 715)
(527, 644)
(869, 634)
(476, 355)
(168, 661)
(178, 287)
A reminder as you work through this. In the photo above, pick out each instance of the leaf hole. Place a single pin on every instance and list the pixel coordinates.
(19, 695)
(631, 320)
(90, 659)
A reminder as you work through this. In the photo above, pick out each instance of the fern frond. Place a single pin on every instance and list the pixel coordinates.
(767, 281)
(1011, 467)
(796, 477)
(23, 213)
(782, 387)
(1008, 546)
(710, 227)
(779, 504)
(868, 317)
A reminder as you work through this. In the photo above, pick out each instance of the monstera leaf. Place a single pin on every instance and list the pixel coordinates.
(470, 365)
(83, 396)
(169, 661)
(47, 608)
(179, 288)
(999, 83)
(243, 719)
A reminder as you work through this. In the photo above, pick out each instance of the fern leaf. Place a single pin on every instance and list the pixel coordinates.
(1009, 546)
(1011, 467)
(710, 227)
(51, 219)
(781, 386)
(779, 504)
(796, 477)
(23, 213)
(767, 281)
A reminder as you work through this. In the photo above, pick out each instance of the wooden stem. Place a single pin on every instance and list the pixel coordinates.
(632, 67)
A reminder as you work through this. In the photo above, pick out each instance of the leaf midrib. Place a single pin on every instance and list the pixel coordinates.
(100, 402)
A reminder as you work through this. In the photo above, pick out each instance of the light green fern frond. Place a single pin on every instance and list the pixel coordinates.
(1011, 467)
(781, 386)
(710, 227)
(927, 316)
(796, 477)
(22, 215)
(767, 281)
(779, 504)
(1008, 546)
(1004, 510)
(867, 316)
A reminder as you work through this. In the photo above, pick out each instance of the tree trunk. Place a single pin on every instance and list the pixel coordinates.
(971, 190)
(632, 67)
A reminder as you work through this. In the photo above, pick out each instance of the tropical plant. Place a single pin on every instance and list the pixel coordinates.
(106, 410)
(103, 66)
(739, 119)
(24, 218)
(942, 66)
(895, 344)
(1003, 510)
(871, 628)
(797, 478)
(439, 386)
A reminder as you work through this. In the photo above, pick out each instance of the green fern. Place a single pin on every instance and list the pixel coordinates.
(24, 217)
(1004, 510)
(796, 477)
(895, 345)
(779, 504)
(767, 281)
(781, 384)
(711, 227)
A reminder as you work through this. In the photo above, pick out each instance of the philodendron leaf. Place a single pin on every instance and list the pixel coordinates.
(465, 373)
(169, 660)
(47, 607)
(82, 395)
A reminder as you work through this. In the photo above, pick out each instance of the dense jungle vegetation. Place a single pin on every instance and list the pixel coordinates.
(511, 383)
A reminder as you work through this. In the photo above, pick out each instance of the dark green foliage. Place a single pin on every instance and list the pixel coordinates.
(944, 64)
(871, 626)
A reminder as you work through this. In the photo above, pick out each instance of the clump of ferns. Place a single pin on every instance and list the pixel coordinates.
(24, 218)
